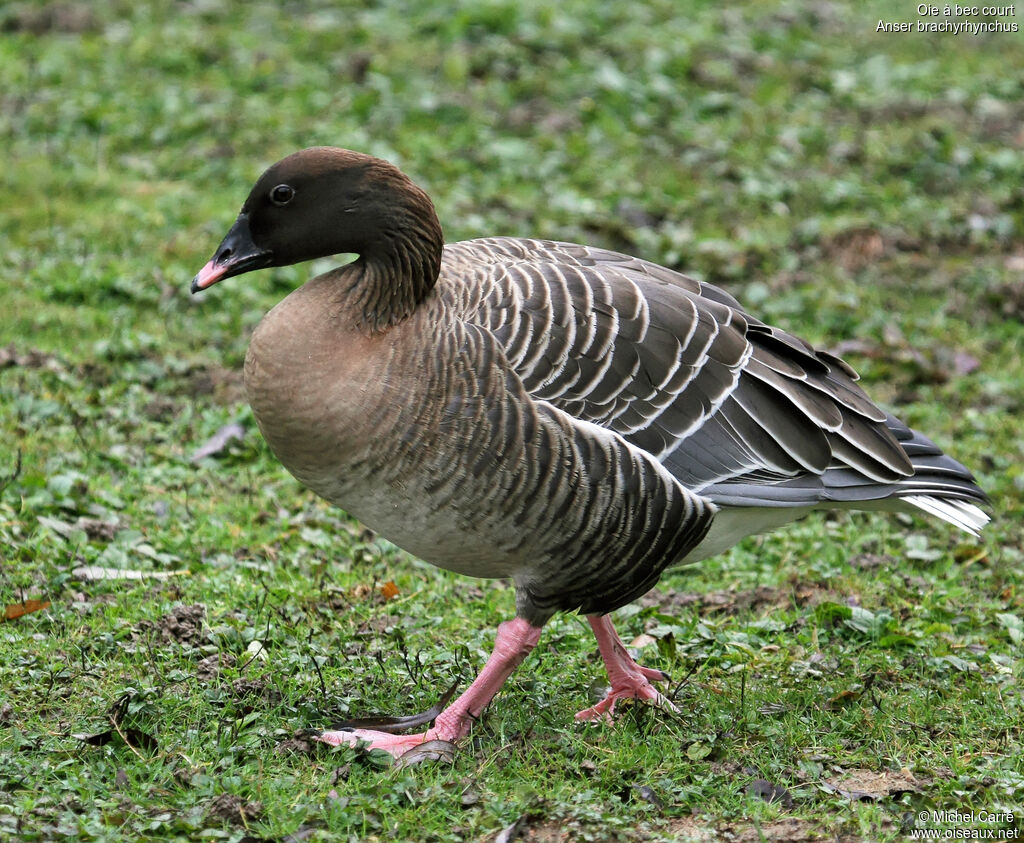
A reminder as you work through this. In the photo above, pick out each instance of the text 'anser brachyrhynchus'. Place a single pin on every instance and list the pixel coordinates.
(568, 417)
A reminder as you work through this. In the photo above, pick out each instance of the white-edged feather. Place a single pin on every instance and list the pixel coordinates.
(962, 514)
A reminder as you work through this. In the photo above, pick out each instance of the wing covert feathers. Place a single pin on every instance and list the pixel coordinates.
(737, 411)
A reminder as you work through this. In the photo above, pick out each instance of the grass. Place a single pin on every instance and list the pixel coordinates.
(861, 189)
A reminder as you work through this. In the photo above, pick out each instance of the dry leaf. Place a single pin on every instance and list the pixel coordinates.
(16, 610)
(429, 751)
(31, 359)
(770, 792)
(860, 785)
(964, 363)
(132, 737)
(843, 698)
(257, 651)
(235, 810)
(219, 441)
(650, 795)
(98, 572)
(396, 725)
(389, 590)
(513, 831)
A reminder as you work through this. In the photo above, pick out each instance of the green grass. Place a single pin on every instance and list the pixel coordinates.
(862, 190)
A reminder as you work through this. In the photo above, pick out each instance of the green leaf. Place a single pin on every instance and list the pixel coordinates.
(828, 613)
(698, 750)
(1013, 625)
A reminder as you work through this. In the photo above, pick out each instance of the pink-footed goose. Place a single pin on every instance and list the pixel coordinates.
(571, 418)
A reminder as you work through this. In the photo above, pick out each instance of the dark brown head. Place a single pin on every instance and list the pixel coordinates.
(325, 201)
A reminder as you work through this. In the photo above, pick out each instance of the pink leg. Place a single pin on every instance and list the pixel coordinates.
(515, 640)
(629, 680)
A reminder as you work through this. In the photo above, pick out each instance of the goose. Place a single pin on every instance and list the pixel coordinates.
(566, 417)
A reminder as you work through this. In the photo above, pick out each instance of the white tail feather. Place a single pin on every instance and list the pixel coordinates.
(966, 516)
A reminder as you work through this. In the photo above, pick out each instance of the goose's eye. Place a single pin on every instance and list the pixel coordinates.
(282, 194)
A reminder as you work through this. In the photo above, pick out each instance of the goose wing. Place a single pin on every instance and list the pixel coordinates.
(728, 404)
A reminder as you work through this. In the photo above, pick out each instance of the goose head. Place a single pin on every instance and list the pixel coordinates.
(327, 201)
